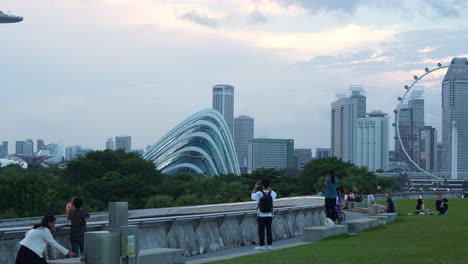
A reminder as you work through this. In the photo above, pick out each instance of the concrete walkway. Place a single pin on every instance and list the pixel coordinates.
(249, 250)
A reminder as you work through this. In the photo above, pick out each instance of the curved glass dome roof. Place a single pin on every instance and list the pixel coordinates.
(201, 144)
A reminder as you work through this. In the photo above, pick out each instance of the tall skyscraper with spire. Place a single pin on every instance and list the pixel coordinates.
(223, 102)
(455, 108)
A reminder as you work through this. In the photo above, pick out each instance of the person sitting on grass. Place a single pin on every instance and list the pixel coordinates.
(440, 210)
(445, 204)
(419, 206)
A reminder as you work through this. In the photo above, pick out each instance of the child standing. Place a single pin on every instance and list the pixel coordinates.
(78, 225)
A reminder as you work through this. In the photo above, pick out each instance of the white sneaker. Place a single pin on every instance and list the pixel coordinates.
(260, 248)
(269, 248)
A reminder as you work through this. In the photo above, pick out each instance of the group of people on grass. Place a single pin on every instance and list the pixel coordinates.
(441, 206)
(33, 246)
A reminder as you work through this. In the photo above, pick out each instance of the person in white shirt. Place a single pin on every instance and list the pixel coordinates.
(265, 199)
(34, 244)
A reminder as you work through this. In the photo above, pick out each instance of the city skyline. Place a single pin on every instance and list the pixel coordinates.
(141, 60)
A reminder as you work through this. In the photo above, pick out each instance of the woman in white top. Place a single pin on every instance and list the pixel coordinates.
(35, 242)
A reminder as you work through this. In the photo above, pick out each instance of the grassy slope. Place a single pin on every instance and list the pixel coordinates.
(409, 239)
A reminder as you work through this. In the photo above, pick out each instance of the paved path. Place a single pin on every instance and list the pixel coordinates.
(249, 250)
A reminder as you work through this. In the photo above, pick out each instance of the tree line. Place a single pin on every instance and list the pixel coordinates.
(104, 176)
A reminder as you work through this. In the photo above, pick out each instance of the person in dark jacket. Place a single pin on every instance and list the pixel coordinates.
(78, 225)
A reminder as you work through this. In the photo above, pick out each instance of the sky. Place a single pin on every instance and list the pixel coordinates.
(76, 72)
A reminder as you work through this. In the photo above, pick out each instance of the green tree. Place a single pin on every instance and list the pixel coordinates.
(159, 201)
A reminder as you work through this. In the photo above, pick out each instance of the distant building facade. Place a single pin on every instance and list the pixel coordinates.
(243, 133)
(271, 154)
(123, 142)
(4, 149)
(344, 119)
(302, 156)
(428, 149)
(223, 102)
(373, 141)
(72, 152)
(40, 145)
(411, 120)
(110, 144)
(321, 153)
(24, 148)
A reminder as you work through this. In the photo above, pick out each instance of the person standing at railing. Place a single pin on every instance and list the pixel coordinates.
(78, 225)
(331, 184)
(265, 198)
(34, 244)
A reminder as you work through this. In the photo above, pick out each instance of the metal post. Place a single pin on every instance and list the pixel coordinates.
(454, 150)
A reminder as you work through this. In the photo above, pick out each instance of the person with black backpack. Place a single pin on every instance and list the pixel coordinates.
(265, 198)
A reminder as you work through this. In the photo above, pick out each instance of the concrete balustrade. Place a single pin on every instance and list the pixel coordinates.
(213, 228)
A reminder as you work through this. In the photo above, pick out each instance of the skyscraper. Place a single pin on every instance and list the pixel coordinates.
(372, 141)
(411, 120)
(344, 116)
(223, 101)
(32, 144)
(24, 148)
(110, 144)
(40, 145)
(4, 149)
(271, 154)
(455, 108)
(428, 148)
(243, 132)
(123, 142)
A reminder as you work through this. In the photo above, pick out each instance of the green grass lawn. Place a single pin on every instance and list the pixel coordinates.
(409, 239)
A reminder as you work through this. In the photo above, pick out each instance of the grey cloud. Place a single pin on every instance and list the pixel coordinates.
(200, 19)
(348, 6)
(400, 53)
(448, 8)
(256, 17)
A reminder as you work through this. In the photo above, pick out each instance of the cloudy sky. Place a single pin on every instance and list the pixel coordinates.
(80, 71)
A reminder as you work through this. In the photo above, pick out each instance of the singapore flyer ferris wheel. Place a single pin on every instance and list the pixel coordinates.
(431, 121)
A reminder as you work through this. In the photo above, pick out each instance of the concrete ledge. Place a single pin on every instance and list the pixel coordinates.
(358, 204)
(361, 224)
(161, 255)
(376, 208)
(146, 256)
(317, 233)
(65, 261)
(383, 219)
(390, 216)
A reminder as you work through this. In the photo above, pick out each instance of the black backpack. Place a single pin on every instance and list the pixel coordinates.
(265, 205)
